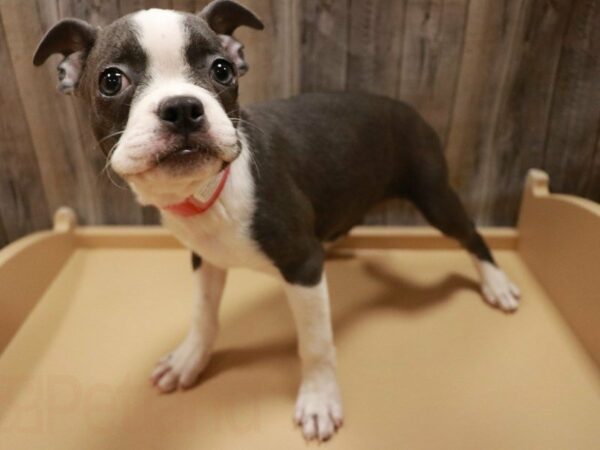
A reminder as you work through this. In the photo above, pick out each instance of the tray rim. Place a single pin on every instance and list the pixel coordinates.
(539, 245)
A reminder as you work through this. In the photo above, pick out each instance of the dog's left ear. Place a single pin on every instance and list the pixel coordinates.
(73, 38)
(224, 17)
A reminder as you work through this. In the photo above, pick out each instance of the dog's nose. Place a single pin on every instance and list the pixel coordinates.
(182, 114)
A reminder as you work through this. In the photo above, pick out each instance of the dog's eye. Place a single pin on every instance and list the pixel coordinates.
(222, 71)
(113, 81)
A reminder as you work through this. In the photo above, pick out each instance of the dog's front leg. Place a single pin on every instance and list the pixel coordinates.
(318, 408)
(182, 367)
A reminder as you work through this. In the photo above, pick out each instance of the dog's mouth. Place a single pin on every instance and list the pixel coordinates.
(181, 156)
(185, 154)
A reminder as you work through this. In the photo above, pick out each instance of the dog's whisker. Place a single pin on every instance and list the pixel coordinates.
(245, 122)
(117, 185)
(111, 135)
(107, 170)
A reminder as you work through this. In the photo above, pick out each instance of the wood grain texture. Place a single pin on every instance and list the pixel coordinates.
(431, 58)
(593, 188)
(375, 46)
(273, 53)
(575, 118)
(23, 203)
(185, 5)
(70, 163)
(54, 149)
(508, 84)
(489, 44)
(325, 33)
(522, 126)
(3, 236)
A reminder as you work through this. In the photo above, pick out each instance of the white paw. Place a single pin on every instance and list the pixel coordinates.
(182, 367)
(319, 408)
(497, 289)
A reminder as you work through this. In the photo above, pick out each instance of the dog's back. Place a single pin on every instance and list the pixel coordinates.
(350, 150)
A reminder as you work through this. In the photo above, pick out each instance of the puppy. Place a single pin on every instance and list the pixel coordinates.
(262, 187)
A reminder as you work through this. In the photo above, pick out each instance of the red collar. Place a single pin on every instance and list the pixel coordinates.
(192, 206)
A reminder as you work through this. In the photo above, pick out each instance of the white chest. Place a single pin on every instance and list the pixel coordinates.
(222, 235)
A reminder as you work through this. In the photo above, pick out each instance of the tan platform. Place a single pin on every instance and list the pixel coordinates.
(423, 362)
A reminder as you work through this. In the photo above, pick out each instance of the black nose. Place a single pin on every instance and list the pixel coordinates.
(182, 114)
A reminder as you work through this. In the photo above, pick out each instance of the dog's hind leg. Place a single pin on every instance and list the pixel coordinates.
(442, 208)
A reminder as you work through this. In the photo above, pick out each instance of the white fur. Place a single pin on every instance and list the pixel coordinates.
(222, 234)
(161, 34)
(497, 289)
(318, 407)
(182, 367)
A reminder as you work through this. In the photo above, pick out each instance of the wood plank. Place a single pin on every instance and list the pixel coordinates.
(130, 6)
(3, 236)
(325, 33)
(487, 50)
(570, 155)
(359, 238)
(273, 53)
(432, 51)
(65, 171)
(162, 4)
(375, 36)
(592, 190)
(523, 119)
(20, 21)
(567, 267)
(97, 12)
(527, 93)
(186, 5)
(24, 204)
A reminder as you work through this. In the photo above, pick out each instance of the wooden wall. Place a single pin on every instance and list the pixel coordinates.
(508, 84)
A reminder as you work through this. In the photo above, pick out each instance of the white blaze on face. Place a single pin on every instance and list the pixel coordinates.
(162, 35)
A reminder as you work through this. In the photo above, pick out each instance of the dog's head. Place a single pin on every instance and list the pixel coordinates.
(162, 87)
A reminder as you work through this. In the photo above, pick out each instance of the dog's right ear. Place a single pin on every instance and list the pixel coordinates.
(73, 38)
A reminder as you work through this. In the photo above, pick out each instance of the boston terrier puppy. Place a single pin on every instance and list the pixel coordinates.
(262, 187)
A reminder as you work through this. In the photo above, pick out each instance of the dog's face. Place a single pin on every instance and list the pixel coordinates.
(162, 88)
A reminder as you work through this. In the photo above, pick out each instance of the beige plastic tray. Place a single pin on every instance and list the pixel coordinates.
(423, 363)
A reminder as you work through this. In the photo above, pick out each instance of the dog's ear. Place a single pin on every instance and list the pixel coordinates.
(224, 17)
(235, 50)
(73, 38)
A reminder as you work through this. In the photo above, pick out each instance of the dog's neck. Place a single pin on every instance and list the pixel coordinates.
(161, 190)
(204, 197)
(209, 188)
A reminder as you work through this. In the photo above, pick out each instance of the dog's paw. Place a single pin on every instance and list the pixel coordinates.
(182, 367)
(497, 289)
(319, 409)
